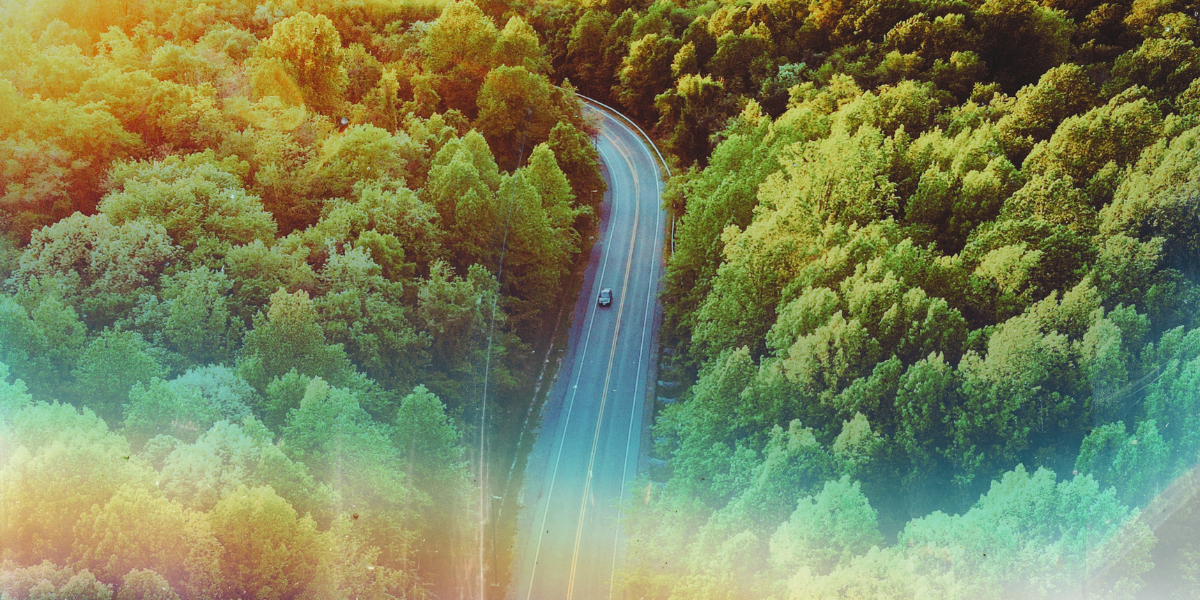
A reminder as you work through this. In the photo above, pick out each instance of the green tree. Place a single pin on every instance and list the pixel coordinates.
(428, 449)
(692, 112)
(270, 552)
(145, 106)
(1126, 269)
(428, 440)
(137, 529)
(348, 567)
(843, 178)
(1013, 262)
(615, 45)
(540, 240)
(382, 104)
(13, 397)
(760, 262)
(173, 62)
(43, 343)
(1022, 39)
(281, 396)
(188, 405)
(518, 46)
(517, 110)
(145, 584)
(714, 201)
(191, 198)
(857, 446)
(55, 154)
(201, 319)
(586, 49)
(366, 314)
(363, 71)
(464, 173)
(229, 456)
(289, 336)
(354, 455)
(742, 60)
(1135, 464)
(110, 367)
(1052, 197)
(645, 73)
(1163, 66)
(61, 464)
(362, 153)
(904, 320)
(258, 271)
(827, 528)
(1017, 522)
(451, 309)
(927, 401)
(1171, 398)
(701, 435)
(47, 580)
(160, 409)
(936, 38)
(1023, 395)
(459, 46)
(1083, 144)
(557, 196)
(1152, 201)
(685, 62)
(281, 156)
(793, 464)
(1061, 92)
(400, 230)
(304, 53)
(579, 160)
(103, 266)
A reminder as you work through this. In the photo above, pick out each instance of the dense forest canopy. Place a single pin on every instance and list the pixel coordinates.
(932, 289)
(251, 265)
(933, 284)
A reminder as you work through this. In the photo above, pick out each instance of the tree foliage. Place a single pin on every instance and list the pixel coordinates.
(208, 215)
(948, 241)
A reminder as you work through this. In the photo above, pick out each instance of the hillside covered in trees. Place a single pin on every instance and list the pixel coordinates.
(934, 285)
(933, 290)
(251, 276)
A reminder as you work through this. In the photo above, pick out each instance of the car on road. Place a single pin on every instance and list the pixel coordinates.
(605, 298)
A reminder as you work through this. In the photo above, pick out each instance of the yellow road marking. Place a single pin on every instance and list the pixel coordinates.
(587, 486)
(570, 405)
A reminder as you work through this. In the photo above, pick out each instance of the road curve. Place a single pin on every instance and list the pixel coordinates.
(585, 458)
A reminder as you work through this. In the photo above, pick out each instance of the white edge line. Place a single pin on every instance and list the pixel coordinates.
(571, 403)
(648, 318)
(649, 139)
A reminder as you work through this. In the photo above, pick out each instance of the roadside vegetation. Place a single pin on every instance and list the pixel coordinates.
(933, 292)
(251, 276)
(933, 295)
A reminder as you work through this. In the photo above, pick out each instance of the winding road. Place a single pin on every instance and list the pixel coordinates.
(583, 463)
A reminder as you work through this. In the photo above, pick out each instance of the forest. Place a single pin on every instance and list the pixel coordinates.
(255, 290)
(932, 290)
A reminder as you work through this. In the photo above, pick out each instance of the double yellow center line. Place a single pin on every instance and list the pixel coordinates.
(587, 486)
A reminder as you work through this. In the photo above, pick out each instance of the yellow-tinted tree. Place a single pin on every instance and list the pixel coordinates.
(303, 56)
(517, 110)
(459, 47)
(62, 463)
(270, 552)
(137, 529)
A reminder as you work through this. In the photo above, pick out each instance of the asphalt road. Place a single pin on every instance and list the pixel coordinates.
(585, 458)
